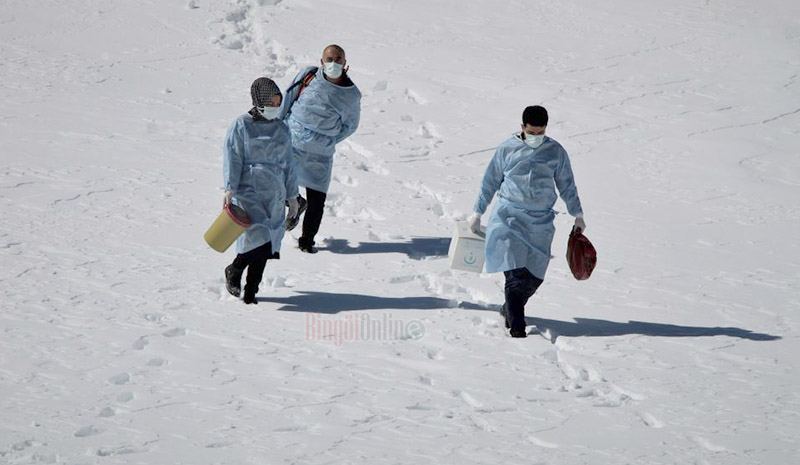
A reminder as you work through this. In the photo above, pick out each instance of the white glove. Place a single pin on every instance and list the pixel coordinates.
(294, 206)
(226, 200)
(580, 225)
(474, 222)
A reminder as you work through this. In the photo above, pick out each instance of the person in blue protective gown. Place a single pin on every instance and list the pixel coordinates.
(322, 108)
(259, 176)
(525, 171)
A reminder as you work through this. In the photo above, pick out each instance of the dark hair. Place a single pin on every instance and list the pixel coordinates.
(535, 116)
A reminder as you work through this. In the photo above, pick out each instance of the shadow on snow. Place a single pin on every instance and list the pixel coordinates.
(417, 249)
(588, 327)
(327, 302)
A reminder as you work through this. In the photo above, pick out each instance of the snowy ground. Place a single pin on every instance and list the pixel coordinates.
(119, 344)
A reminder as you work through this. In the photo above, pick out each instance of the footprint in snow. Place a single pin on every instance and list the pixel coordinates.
(413, 97)
(175, 332)
(651, 421)
(122, 450)
(435, 354)
(87, 431)
(141, 343)
(154, 317)
(708, 445)
(469, 400)
(156, 362)
(542, 443)
(348, 181)
(120, 379)
(428, 131)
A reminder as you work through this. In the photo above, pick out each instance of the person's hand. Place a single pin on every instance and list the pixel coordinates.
(226, 200)
(580, 225)
(294, 206)
(474, 222)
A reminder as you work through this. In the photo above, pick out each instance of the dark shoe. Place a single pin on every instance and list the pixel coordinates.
(518, 333)
(233, 280)
(292, 222)
(249, 297)
(505, 316)
(307, 246)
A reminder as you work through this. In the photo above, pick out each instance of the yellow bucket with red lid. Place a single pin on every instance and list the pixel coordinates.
(229, 225)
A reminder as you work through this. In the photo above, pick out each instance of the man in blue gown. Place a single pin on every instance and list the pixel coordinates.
(322, 108)
(525, 171)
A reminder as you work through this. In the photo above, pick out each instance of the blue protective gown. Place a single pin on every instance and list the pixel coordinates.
(324, 115)
(520, 229)
(258, 167)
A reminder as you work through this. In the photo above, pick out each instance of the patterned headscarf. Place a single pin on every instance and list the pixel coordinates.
(262, 90)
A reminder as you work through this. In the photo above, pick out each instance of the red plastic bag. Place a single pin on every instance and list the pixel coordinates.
(581, 255)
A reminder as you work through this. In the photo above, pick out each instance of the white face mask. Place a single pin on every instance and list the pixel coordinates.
(333, 70)
(534, 141)
(269, 112)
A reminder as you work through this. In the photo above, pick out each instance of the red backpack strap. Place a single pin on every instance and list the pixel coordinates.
(306, 81)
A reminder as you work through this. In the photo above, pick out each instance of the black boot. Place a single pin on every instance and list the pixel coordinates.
(307, 245)
(250, 295)
(233, 279)
(516, 332)
(255, 271)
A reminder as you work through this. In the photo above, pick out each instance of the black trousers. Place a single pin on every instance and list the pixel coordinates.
(313, 216)
(255, 261)
(520, 286)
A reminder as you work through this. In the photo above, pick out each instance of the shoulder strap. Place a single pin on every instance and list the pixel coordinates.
(309, 77)
(292, 93)
(303, 83)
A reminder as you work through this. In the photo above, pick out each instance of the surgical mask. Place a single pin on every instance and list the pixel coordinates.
(269, 112)
(333, 70)
(534, 141)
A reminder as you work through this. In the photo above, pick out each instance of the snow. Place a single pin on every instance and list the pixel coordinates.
(120, 345)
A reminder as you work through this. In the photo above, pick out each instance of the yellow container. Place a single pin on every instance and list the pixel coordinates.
(229, 225)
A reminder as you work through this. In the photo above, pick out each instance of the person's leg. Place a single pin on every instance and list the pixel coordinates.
(233, 275)
(313, 218)
(532, 284)
(257, 259)
(520, 286)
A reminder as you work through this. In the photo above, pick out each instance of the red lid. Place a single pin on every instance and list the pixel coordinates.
(238, 215)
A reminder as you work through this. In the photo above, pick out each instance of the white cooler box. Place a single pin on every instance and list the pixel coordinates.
(467, 249)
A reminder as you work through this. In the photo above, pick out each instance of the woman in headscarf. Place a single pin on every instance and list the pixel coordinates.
(259, 177)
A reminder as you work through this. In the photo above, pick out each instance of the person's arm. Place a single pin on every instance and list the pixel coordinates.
(350, 122)
(565, 182)
(287, 164)
(492, 179)
(233, 157)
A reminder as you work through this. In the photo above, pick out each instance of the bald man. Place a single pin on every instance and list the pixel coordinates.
(322, 108)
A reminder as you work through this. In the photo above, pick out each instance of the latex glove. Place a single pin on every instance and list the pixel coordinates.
(474, 222)
(580, 225)
(294, 206)
(227, 199)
